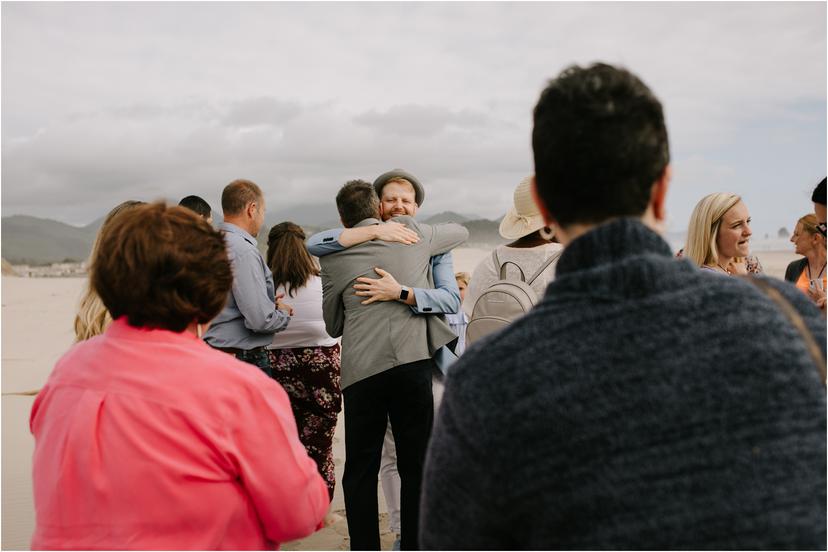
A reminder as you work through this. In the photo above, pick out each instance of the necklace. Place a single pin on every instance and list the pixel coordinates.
(723, 268)
(818, 275)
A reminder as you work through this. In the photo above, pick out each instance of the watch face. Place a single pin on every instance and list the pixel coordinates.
(404, 294)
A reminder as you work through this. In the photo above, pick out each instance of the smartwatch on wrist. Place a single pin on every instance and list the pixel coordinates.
(403, 293)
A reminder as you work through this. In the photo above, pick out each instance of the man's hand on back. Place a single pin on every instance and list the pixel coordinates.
(385, 288)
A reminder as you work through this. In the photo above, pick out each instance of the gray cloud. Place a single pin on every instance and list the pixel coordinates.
(106, 101)
(420, 120)
(261, 111)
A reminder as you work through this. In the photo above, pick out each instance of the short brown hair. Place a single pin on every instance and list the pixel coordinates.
(288, 258)
(462, 277)
(161, 267)
(357, 201)
(238, 194)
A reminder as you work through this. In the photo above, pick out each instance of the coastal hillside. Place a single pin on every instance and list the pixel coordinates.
(8, 269)
(36, 241)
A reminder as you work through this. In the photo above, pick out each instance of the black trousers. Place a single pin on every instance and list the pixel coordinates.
(403, 396)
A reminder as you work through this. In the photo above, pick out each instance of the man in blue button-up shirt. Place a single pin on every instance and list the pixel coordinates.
(253, 313)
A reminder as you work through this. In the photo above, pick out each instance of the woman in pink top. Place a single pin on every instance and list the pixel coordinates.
(145, 437)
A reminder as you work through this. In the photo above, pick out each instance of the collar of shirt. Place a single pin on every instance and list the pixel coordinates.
(233, 229)
(609, 244)
(618, 261)
(121, 329)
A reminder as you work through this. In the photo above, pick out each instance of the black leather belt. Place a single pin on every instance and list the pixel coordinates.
(235, 352)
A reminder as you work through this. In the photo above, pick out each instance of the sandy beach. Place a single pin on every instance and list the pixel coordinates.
(37, 315)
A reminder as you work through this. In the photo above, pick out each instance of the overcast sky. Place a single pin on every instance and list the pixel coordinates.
(103, 102)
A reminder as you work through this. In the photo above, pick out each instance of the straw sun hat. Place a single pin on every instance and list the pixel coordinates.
(523, 218)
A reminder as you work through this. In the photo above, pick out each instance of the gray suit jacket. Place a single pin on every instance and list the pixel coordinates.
(384, 334)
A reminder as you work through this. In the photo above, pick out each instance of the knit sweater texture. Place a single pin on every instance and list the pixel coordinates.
(642, 404)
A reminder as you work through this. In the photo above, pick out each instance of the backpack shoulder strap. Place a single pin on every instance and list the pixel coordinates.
(543, 267)
(795, 319)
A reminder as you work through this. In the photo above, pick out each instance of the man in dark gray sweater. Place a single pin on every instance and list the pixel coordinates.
(642, 403)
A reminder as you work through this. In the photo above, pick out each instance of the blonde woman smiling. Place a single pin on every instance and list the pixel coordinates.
(718, 237)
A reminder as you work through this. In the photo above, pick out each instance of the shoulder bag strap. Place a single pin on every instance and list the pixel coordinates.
(796, 319)
(543, 267)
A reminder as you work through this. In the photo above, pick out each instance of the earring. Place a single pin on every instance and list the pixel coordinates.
(546, 233)
(198, 330)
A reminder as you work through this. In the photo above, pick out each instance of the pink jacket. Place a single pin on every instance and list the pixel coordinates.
(150, 439)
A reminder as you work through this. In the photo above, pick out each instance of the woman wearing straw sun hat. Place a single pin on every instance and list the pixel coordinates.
(533, 245)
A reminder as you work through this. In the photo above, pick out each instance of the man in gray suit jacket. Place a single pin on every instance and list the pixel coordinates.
(386, 361)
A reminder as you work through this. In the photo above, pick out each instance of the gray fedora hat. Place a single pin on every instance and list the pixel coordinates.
(382, 180)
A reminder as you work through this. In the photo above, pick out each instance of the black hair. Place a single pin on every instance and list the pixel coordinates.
(819, 193)
(196, 204)
(357, 201)
(600, 143)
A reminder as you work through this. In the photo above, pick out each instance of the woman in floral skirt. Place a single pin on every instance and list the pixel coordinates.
(303, 357)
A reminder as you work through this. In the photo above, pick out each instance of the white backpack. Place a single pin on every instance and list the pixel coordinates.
(503, 301)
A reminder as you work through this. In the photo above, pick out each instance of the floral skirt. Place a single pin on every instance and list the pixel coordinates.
(310, 376)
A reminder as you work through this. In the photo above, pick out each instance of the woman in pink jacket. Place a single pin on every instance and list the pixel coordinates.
(145, 437)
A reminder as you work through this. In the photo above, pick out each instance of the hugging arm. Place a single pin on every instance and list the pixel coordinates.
(445, 237)
(338, 239)
(444, 298)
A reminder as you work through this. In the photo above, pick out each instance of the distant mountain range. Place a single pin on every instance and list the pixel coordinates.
(8, 270)
(32, 240)
(38, 241)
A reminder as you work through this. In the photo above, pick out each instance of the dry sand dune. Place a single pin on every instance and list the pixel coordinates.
(37, 319)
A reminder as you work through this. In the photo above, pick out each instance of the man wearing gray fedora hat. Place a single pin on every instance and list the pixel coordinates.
(400, 193)
(397, 175)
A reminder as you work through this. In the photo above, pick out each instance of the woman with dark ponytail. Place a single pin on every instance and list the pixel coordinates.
(304, 358)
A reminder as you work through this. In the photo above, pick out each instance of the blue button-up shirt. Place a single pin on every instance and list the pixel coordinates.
(250, 317)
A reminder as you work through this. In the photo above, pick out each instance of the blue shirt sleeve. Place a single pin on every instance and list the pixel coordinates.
(250, 290)
(445, 297)
(325, 243)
